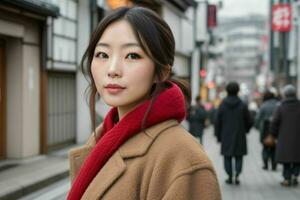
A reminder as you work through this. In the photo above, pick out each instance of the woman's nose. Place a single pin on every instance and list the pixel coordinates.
(113, 74)
(114, 70)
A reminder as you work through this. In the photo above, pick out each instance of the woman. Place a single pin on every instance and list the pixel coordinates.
(262, 123)
(140, 151)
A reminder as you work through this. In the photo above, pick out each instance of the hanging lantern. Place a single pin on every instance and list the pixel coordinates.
(114, 4)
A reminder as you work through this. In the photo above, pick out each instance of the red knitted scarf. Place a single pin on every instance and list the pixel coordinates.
(168, 105)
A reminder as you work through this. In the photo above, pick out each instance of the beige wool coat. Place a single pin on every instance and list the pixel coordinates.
(163, 162)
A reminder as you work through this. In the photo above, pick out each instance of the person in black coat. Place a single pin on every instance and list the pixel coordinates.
(196, 117)
(233, 121)
(285, 126)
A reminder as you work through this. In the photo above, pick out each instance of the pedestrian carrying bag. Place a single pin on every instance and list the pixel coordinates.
(269, 140)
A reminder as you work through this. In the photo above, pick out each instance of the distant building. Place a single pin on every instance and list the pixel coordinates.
(243, 48)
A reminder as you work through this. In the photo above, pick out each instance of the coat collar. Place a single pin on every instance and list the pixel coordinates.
(140, 143)
(115, 166)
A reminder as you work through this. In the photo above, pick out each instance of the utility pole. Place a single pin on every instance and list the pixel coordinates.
(297, 5)
(284, 46)
(200, 38)
(271, 56)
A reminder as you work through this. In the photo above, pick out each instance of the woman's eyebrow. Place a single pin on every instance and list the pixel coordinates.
(103, 44)
(126, 45)
(130, 45)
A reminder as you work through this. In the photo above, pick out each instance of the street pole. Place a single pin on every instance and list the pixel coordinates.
(271, 56)
(285, 63)
(298, 47)
(200, 38)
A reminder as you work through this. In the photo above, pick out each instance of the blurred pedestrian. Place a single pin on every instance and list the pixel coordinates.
(197, 116)
(233, 121)
(140, 151)
(253, 109)
(285, 126)
(262, 123)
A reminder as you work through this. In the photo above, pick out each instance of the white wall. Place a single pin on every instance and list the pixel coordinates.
(187, 36)
(83, 117)
(174, 22)
(188, 31)
(181, 66)
(23, 91)
(181, 25)
(31, 100)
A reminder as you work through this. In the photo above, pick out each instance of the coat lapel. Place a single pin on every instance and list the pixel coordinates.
(115, 166)
(110, 172)
(78, 155)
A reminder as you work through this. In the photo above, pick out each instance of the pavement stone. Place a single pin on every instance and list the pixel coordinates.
(32, 174)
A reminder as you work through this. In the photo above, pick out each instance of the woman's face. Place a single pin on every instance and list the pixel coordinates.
(122, 71)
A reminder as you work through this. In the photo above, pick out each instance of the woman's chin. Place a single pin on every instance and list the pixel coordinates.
(112, 103)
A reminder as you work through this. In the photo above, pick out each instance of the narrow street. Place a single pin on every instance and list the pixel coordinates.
(256, 184)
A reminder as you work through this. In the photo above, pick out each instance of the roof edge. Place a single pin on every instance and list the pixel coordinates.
(34, 6)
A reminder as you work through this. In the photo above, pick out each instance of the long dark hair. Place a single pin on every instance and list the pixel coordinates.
(157, 41)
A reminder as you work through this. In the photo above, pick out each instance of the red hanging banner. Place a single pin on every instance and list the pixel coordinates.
(212, 16)
(281, 17)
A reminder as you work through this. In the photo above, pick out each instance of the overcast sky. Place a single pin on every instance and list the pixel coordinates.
(243, 7)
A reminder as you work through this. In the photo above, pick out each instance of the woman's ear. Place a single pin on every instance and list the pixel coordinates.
(166, 73)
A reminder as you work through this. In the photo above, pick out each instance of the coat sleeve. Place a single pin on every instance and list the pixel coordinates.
(218, 124)
(275, 123)
(248, 119)
(258, 118)
(200, 185)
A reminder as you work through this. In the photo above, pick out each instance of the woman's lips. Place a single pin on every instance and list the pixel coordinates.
(114, 88)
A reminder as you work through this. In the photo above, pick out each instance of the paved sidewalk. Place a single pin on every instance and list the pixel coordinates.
(256, 184)
(32, 174)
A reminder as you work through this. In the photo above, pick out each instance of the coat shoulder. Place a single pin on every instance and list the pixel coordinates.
(176, 161)
(176, 145)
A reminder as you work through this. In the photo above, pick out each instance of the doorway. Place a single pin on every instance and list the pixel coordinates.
(2, 101)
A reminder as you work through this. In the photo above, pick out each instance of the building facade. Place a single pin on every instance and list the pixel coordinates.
(43, 100)
(23, 43)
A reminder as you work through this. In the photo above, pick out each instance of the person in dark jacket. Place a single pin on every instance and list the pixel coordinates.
(196, 117)
(285, 127)
(232, 123)
(262, 123)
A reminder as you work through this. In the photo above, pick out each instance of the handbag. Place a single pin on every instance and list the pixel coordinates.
(269, 141)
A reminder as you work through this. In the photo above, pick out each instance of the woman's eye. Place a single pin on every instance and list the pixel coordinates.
(101, 55)
(133, 56)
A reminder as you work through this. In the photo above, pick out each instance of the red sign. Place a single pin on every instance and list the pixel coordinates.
(202, 73)
(281, 17)
(212, 16)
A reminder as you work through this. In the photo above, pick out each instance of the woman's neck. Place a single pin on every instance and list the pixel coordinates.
(123, 110)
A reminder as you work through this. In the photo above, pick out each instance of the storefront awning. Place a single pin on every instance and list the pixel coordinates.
(183, 4)
(35, 6)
